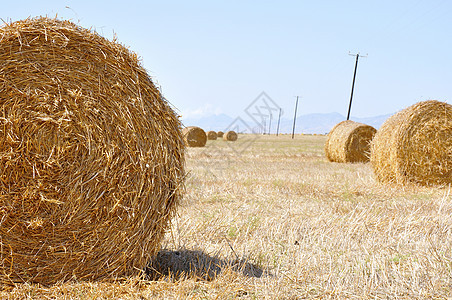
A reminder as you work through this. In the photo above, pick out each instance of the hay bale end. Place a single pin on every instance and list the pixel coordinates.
(194, 136)
(212, 135)
(91, 156)
(230, 136)
(349, 141)
(415, 145)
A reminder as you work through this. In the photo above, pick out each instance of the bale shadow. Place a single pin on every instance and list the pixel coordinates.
(183, 263)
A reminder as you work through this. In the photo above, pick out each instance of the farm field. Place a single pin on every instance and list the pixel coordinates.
(269, 217)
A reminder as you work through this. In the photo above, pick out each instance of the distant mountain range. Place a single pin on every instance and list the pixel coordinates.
(310, 123)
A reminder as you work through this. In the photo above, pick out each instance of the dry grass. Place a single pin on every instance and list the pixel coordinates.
(278, 221)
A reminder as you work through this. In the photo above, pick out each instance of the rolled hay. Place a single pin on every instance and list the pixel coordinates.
(230, 136)
(194, 136)
(349, 141)
(415, 145)
(220, 134)
(211, 135)
(91, 156)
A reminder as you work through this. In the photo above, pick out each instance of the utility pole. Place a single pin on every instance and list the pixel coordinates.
(353, 83)
(294, 118)
(279, 119)
(270, 124)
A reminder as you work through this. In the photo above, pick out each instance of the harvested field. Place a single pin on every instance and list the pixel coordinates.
(278, 221)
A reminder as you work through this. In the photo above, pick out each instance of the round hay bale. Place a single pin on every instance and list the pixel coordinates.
(194, 136)
(415, 145)
(211, 135)
(349, 141)
(230, 136)
(91, 156)
(220, 134)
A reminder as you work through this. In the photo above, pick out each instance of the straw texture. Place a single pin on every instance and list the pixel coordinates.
(230, 136)
(220, 134)
(211, 135)
(194, 136)
(415, 145)
(349, 141)
(91, 156)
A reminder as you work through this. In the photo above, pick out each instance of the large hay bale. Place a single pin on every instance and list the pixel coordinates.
(220, 134)
(91, 156)
(194, 136)
(415, 145)
(349, 141)
(211, 135)
(230, 136)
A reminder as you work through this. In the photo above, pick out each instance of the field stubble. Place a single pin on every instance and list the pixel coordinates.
(277, 221)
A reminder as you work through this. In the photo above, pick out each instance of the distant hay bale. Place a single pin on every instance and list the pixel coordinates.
(194, 136)
(349, 141)
(211, 135)
(230, 136)
(415, 145)
(220, 134)
(91, 156)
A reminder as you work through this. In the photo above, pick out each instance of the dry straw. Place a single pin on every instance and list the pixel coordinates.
(220, 134)
(194, 136)
(415, 145)
(349, 141)
(91, 156)
(230, 136)
(212, 135)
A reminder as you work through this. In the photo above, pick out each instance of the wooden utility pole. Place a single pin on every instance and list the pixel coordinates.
(353, 83)
(270, 124)
(279, 119)
(294, 118)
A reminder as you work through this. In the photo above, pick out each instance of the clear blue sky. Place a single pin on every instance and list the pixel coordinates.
(217, 56)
